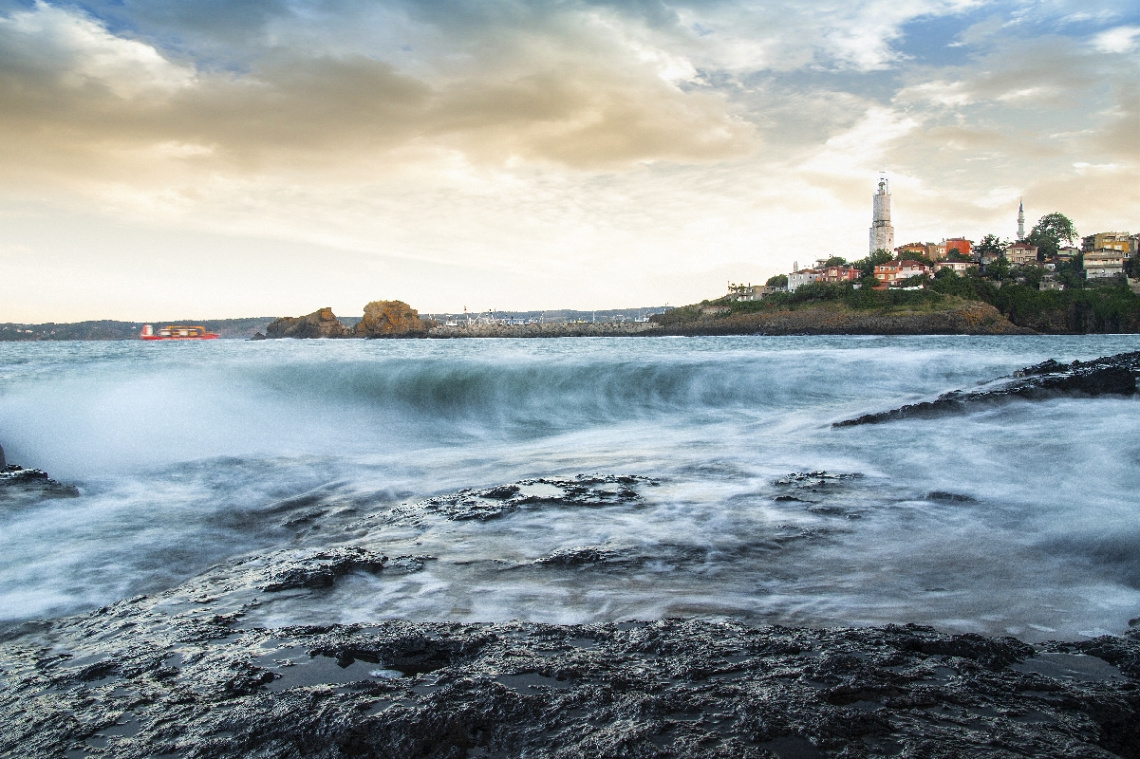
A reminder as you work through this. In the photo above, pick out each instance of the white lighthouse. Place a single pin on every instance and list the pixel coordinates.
(882, 233)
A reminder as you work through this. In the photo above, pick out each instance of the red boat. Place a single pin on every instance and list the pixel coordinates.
(177, 332)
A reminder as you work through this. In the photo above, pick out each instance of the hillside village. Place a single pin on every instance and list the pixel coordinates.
(1045, 259)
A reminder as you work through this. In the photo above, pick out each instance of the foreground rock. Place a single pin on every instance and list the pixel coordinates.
(1113, 375)
(320, 323)
(391, 318)
(131, 681)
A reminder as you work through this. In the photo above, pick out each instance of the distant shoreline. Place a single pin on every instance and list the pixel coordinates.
(954, 317)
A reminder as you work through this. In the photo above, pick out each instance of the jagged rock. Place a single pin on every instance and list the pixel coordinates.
(15, 482)
(129, 681)
(579, 556)
(391, 318)
(1112, 375)
(320, 323)
(321, 569)
(583, 490)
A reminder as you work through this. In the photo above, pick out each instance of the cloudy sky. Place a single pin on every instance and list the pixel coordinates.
(215, 158)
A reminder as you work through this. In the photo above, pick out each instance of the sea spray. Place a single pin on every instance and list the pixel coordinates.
(1003, 519)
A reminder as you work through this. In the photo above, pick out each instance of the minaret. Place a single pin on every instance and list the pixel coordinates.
(1021, 220)
(882, 233)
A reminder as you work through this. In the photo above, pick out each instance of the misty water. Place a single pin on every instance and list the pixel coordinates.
(1020, 518)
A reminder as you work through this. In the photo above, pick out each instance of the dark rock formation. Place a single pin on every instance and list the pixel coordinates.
(17, 483)
(391, 318)
(320, 323)
(1113, 375)
(129, 681)
(321, 569)
(583, 490)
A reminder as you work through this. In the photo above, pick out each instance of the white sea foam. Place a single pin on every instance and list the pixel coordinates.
(185, 453)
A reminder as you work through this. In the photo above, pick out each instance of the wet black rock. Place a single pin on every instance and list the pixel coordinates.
(131, 681)
(579, 556)
(947, 497)
(18, 483)
(1113, 375)
(490, 503)
(322, 568)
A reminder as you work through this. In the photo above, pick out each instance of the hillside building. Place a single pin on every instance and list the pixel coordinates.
(1104, 263)
(959, 246)
(1120, 242)
(894, 273)
(749, 292)
(924, 249)
(1021, 253)
(958, 267)
(882, 233)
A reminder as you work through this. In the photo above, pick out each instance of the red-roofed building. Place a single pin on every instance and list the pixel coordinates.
(894, 273)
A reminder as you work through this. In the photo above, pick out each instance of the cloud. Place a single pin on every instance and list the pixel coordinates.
(1122, 39)
(626, 151)
(94, 96)
(48, 46)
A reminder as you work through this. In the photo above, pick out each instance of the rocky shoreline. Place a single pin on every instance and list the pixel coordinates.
(170, 676)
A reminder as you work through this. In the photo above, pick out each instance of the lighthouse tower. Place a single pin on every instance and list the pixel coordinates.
(882, 233)
(1021, 220)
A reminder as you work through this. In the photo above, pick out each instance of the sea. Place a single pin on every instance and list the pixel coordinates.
(1020, 518)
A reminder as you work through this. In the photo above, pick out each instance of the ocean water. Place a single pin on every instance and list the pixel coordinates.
(1021, 519)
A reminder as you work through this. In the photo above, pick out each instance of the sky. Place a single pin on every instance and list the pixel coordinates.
(204, 158)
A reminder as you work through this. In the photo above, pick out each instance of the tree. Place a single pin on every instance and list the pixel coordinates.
(867, 265)
(990, 247)
(835, 261)
(999, 269)
(780, 281)
(1132, 266)
(1049, 232)
(1033, 275)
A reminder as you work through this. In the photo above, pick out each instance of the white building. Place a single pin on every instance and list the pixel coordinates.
(882, 233)
(802, 277)
(1103, 264)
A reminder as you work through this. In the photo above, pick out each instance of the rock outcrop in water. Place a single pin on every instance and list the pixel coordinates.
(17, 483)
(320, 323)
(1112, 375)
(391, 318)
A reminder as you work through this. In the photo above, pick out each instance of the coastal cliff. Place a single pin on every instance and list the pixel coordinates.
(954, 317)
